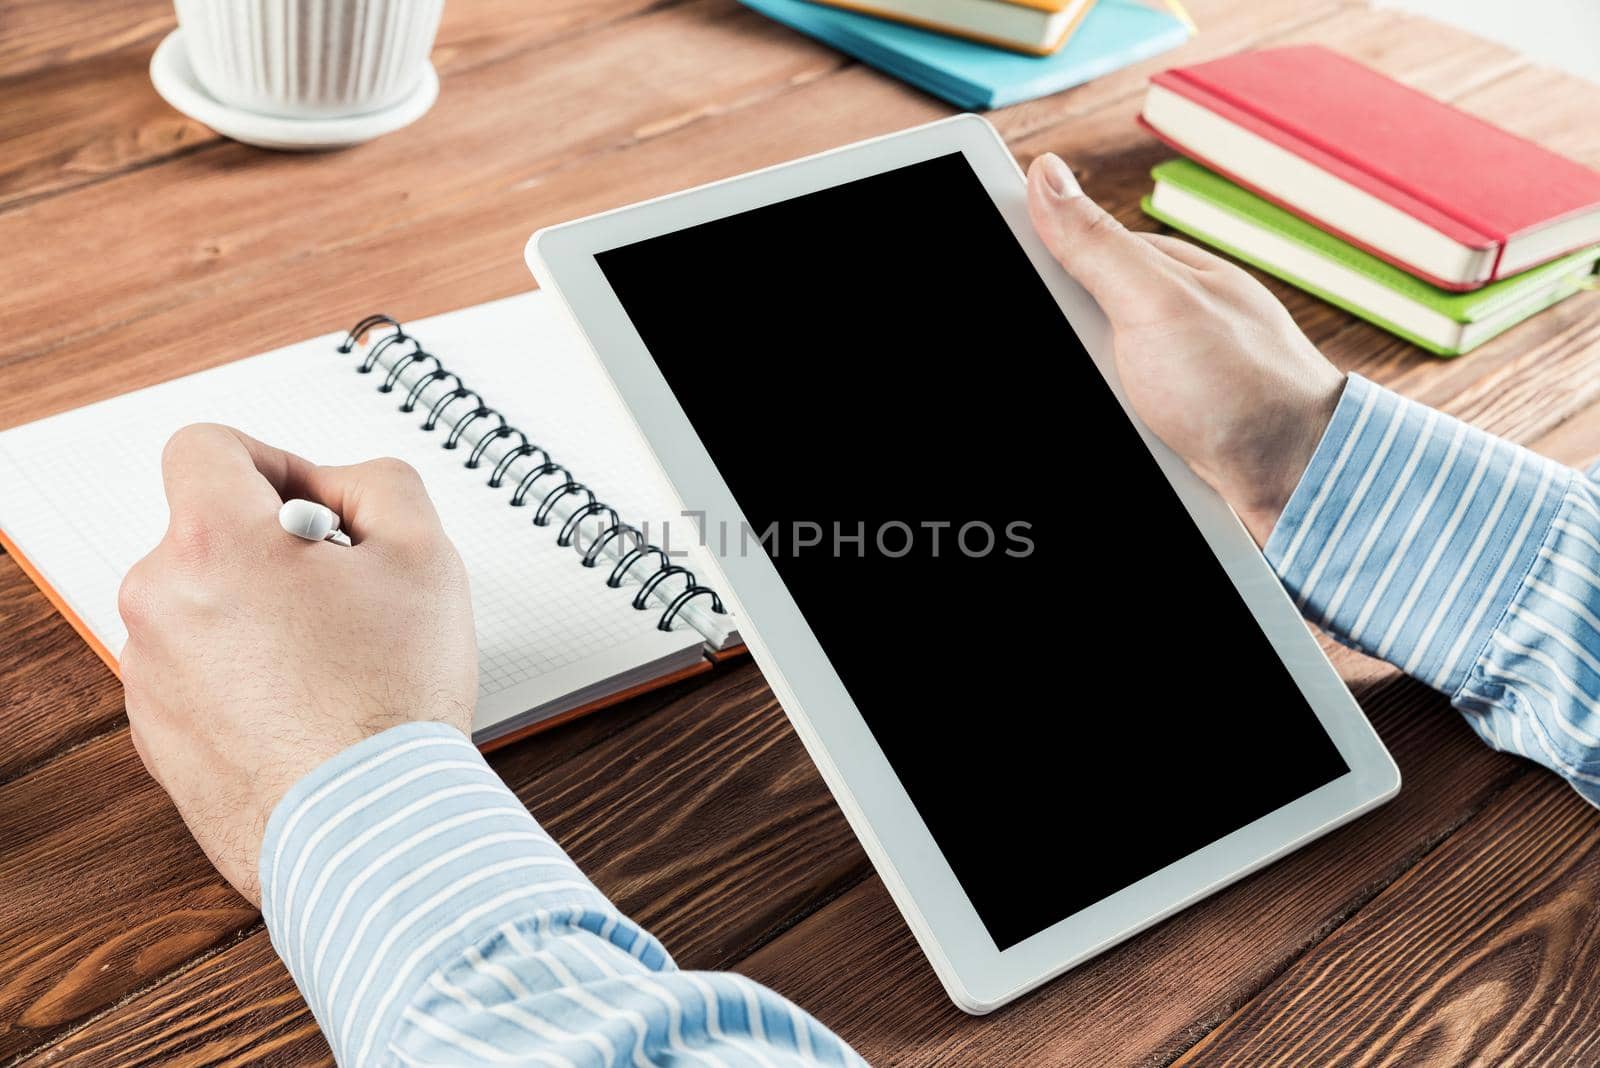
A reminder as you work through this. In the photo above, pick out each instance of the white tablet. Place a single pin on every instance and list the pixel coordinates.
(1045, 671)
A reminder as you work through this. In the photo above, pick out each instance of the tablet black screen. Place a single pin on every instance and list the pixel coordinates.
(1054, 663)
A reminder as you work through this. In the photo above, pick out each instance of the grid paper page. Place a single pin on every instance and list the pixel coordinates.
(560, 395)
(80, 493)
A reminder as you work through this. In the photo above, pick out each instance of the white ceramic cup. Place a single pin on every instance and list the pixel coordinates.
(304, 59)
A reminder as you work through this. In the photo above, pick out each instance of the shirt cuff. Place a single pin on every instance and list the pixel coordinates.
(393, 859)
(1410, 532)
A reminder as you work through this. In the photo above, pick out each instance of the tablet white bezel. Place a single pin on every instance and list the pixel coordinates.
(978, 976)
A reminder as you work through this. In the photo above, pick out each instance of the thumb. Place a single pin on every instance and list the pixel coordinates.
(1107, 260)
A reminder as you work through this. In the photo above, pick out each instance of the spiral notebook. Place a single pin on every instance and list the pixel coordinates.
(573, 540)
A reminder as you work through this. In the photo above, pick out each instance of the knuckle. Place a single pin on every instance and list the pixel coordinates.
(193, 539)
(394, 470)
(135, 598)
(1100, 225)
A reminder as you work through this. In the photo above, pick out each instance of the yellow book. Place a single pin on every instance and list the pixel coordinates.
(1039, 27)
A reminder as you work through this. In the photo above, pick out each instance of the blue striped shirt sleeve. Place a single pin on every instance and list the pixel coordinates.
(1464, 560)
(429, 920)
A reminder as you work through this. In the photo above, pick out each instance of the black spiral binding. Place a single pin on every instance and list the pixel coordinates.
(559, 482)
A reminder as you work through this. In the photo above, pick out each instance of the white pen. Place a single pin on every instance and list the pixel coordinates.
(311, 521)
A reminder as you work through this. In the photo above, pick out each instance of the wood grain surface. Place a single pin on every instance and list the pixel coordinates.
(1485, 953)
(1455, 925)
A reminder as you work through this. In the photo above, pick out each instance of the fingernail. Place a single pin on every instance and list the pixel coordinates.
(1059, 177)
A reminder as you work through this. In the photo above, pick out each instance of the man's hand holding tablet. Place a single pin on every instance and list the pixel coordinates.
(875, 344)
(1210, 360)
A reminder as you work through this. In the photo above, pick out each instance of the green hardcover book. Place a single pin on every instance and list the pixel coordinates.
(1207, 206)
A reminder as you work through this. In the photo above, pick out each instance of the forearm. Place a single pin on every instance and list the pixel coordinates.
(1468, 562)
(426, 916)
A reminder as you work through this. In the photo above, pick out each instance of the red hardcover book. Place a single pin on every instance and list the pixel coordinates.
(1435, 191)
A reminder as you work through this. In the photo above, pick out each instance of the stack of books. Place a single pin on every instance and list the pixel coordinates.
(981, 54)
(1403, 210)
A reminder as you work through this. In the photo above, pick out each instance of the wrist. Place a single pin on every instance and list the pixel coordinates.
(361, 853)
(1260, 483)
(321, 770)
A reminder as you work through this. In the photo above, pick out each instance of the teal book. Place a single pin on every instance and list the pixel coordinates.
(973, 76)
(1207, 206)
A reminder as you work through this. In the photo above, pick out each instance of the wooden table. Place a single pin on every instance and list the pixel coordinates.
(1458, 922)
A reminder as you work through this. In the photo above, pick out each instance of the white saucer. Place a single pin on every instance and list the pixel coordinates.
(175, 80)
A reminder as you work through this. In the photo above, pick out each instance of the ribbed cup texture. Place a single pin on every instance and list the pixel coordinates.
(309, 58)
